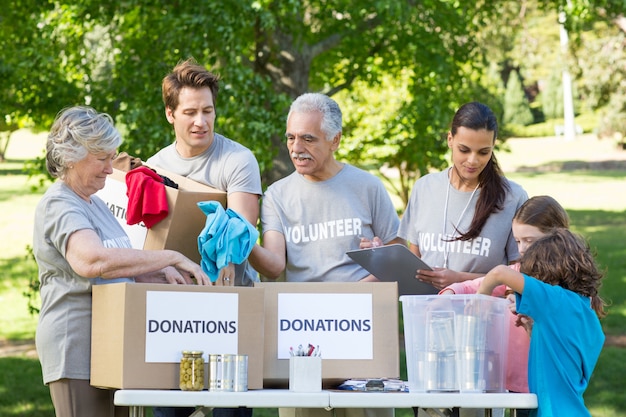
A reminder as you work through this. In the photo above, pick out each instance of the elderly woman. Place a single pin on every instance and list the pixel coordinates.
(77, 241)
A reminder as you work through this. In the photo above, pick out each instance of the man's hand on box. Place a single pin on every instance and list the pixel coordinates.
(226, 277)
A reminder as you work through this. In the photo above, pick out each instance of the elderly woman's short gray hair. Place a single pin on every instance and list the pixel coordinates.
(76, 132)
(331, 113)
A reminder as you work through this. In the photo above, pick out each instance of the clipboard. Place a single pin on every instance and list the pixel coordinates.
(394, 263)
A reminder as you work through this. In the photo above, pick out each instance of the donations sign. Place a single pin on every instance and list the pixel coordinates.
(339, 326)
(177, 321)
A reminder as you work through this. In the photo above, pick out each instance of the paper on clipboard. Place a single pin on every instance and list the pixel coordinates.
(394, 263)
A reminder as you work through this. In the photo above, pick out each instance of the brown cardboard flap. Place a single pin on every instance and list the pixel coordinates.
(180, 229)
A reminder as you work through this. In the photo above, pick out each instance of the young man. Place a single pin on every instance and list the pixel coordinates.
(201, 154)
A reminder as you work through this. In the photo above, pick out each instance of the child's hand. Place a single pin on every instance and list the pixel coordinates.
(521, 320)
(526, 322)
(510, 296)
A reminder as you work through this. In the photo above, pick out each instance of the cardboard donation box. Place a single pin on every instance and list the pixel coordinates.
(140, 330)
(352, 326)
(180, 229)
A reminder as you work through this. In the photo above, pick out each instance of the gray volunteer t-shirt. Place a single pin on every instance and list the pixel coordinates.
(63, 336)
(227, 166)
(423, 224)
(323, 220)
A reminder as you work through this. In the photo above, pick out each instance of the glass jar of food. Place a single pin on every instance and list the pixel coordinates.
(192, 371)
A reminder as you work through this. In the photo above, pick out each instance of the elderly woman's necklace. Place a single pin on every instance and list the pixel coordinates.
(455, 227)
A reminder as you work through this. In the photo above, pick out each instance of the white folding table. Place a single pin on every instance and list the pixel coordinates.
(137, 400)
(487, 401)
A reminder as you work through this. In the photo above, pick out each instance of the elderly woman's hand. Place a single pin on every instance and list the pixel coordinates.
(182, 277)
(174, 276)
(192, 270)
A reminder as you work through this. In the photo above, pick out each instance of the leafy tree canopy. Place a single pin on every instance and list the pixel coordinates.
(113, 56)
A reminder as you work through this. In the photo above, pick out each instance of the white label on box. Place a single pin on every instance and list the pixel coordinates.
(114, 195)
(177, 321)
(340, 324)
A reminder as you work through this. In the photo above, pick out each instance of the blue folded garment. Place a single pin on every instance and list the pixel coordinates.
(226, 238)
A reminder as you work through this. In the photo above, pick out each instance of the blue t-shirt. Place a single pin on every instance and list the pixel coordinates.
(565, 345)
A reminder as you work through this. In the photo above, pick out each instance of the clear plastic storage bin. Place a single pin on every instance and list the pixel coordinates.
(455, 342)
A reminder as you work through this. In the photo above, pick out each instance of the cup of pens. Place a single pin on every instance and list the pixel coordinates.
(305, 369)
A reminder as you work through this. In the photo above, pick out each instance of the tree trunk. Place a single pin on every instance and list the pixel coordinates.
(5, 138)
(282, 165)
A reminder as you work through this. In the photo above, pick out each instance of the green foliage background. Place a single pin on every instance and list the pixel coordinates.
(516, 107)
(399, 69)
(426, 57)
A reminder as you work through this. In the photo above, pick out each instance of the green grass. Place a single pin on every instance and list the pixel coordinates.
(588, 122)
(593, 199)
(605, 395)
(16, 322)
(605, 232)
(576, 190)
(22, 392)
(17, 203)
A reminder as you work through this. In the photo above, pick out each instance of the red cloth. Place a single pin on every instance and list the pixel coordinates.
(147, 199)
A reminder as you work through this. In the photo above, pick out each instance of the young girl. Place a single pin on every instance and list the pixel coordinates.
(557, 287)
(533, 220)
